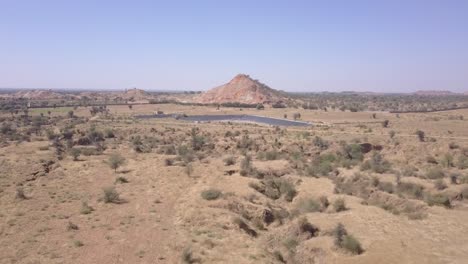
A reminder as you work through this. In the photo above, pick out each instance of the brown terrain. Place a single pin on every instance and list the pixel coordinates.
(99, 185)
(241, 89)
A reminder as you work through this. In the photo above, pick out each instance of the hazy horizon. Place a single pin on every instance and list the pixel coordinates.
(296, 46)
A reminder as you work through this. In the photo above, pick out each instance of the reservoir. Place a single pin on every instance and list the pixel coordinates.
(231, 118)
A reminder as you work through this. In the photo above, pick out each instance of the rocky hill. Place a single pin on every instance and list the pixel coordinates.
(37, 94)
(134, 94)
(241, 89)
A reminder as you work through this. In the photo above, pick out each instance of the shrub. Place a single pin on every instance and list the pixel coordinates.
(345, 241)
(115, 161)
(271, 155)
(464, 193)
(439, 184)
(211, 194)
(111, 195)
(435, 173)
(78, 243)
(462, 162)
(275, 188)
(85, 208)
(447, 160)
(20, 194)
(412, 190)
(231, 160)
(322, 165)
(385, 123)
(89, 151)
(168, 162)
(170, 150)
(243, 226)
(431, 160)
(309, 206)
(198, 142)
(320, 143)
(246, 166)
(121, 180)
(464, 179)
(353, 152)
(339, 205)
(351, 244)
(377, 164)
(109, 133)
(438, 199)
(187, 256)
(324, 202)
(385, 186)
(421, 135)
(75, 153)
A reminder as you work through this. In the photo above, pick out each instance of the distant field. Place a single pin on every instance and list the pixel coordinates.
(45, 111)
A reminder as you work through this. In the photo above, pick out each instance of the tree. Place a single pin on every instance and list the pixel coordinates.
(115, 161)
(421, 135)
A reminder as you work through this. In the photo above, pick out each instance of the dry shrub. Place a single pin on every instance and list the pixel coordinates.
(245, 227)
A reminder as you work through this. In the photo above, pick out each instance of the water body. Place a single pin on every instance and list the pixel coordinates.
(233, 118)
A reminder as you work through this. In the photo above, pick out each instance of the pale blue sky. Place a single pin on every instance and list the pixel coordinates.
(386, 46)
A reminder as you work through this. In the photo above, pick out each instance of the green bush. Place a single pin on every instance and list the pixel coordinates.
(211, 194)
(322, 165)
(351, 244)
(353, 152)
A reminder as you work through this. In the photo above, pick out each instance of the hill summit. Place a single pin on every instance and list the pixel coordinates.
(241, 89)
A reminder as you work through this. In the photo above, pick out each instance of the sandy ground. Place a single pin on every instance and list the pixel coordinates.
(163, 213)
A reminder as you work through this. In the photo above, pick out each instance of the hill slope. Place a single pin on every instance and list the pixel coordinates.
(241, 89)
